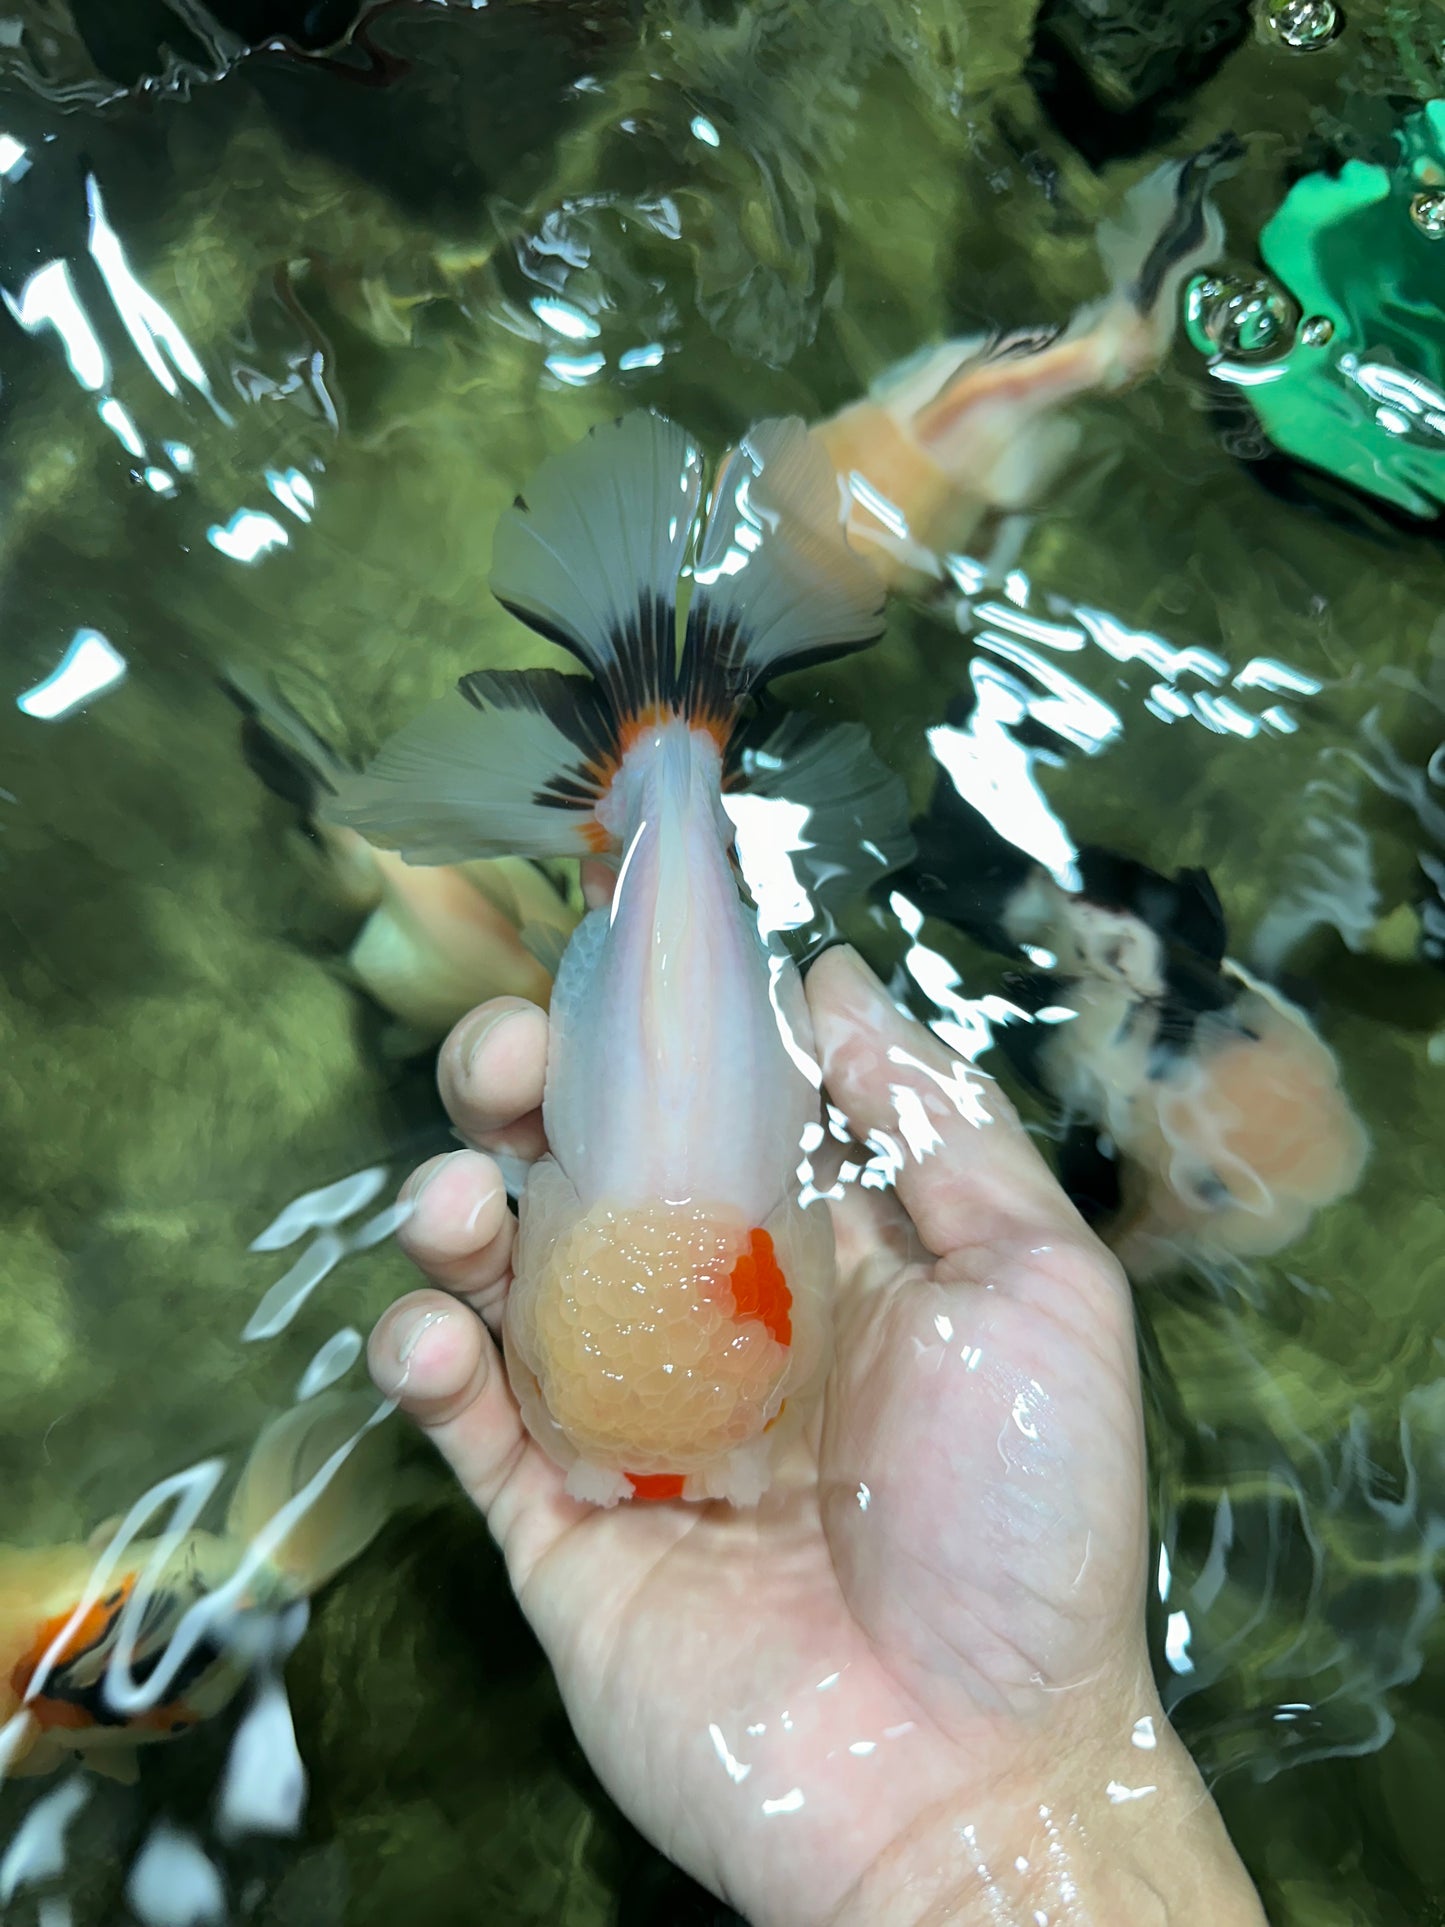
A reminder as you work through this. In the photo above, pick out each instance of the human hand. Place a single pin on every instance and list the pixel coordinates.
(914, 1678)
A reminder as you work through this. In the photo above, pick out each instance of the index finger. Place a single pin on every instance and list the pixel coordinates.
(491, 1072)
(965, 1170)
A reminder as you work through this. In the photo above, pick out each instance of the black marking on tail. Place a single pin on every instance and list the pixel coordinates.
(1184, 230)
(580, 710)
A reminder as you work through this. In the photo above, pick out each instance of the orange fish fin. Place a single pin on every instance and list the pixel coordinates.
(653, 1486)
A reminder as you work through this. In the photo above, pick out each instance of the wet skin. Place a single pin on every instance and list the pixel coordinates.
(914, 1679)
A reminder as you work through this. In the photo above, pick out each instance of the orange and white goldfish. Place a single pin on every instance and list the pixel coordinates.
(436, 942)
(1220, 1102)
(123, 1642)
(974, 428)
(668, 1321)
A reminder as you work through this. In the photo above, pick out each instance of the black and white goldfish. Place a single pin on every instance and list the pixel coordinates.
(667, 1323)
(1219, 1100)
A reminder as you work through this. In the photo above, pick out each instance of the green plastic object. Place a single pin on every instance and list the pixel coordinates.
(1341, 352)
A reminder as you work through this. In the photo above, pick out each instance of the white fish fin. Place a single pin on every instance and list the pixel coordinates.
(284, 752)
(347, 1512)
(514, 766)
(591, 554)
(546, 942)
(1168, 229)
(514, 1171)
(776, 585)
(856, 828)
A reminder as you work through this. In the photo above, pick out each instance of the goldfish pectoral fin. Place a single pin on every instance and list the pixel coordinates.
(514, 1171)
(346, 1510)
(507, 767)
(105, 1532)
(25, 1751)
(545, 943)
(852, 809)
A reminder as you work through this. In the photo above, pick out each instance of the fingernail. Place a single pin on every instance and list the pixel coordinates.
(414, 1330)
(474, 1038)
(868, 991)
(421, 1178)
(391, 1373)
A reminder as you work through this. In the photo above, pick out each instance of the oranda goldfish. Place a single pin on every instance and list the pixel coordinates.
(974, 428)
(436, 941)
(122, 1641)
(1218, 1100)
(668, 1321)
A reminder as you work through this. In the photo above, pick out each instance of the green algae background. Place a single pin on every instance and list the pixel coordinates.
(355, 266)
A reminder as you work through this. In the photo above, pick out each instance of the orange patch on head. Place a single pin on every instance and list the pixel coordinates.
(655, 1485)
(760, 1290)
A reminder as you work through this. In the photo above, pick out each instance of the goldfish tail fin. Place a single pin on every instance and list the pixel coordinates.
(1167, 231)
(288, 756)
(777, 587)
(593, 558)
(840, 807)
(321, 1483)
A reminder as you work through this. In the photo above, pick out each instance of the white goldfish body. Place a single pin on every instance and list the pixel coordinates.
(668, 1320)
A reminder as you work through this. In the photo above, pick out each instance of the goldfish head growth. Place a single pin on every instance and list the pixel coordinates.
(651, 1343)
(1249, 1136)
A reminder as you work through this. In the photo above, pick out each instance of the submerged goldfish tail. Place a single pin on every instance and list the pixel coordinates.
(1168, 230)
(595, 558)
(283, 751)
(316, 1490)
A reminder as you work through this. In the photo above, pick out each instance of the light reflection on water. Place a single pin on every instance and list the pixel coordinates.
(173, 415)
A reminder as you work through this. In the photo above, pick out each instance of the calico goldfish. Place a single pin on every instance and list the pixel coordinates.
(1221, 1104)
(974, 428)
(668, 1322)
(123, 1642)
(436, 941)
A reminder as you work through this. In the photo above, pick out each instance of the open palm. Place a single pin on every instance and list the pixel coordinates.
(944, 1586)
